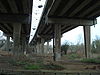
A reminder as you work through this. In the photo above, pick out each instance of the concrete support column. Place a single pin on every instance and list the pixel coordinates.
(23, 48)
(16, 39)
(35, 50)
(57, 42)
(42, 46)
(38, 48)
(47, 46)
(27, 49)
(8, 43)
(87, 41)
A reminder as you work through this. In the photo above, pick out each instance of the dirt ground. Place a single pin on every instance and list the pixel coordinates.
(6, 63)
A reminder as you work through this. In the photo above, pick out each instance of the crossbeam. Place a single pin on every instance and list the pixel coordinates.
(72, 21)
(15, 18)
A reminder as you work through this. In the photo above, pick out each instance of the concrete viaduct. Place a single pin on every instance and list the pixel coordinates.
(15, 22)
(58, 17)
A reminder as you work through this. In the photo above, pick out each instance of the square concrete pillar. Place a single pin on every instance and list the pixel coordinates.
(57, 42)
(8, 43)
(87, 41)
(38, 48)
(35, 50)
(47, 47)
(16, 39)
(23, 44)
(27, 49)
(42, 46)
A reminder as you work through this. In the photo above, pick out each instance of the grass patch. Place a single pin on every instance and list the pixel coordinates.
(42, 66)
(53, 67)
(73, 56)
(17, 63)
(91, 60)
(35, 66)
(32, 67)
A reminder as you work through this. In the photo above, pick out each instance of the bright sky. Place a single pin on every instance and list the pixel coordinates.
(36, 15)
(74, 36)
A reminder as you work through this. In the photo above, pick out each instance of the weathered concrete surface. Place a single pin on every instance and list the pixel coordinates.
(57, 42)
(16, 39)
(87, 41)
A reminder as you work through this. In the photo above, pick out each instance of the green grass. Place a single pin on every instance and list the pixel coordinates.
(53, 67)
(47, 67)
(35, 66)
(73, 56)
(32, 67)
(91, 60)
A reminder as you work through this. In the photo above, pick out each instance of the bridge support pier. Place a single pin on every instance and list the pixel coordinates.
(38, 48)
(23, 44)
(42, 46)
(8, 43)
(34, 49)
(87, 41)
(16, 39)
(47, 46)
(57, 42)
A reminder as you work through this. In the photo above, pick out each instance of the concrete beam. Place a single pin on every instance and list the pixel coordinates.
(13, 6)
(8, 27)
(25, 6)
(68, 28)
(90, 9)
(3, 29)
(70, 3)
(45, 36)
(2, 8)
(15, 18)
(54, 6)
(79, 7)
(71, 21)
(47, 29)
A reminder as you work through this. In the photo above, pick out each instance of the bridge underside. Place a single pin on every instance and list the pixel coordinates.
(60, 16)
(15, 20)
